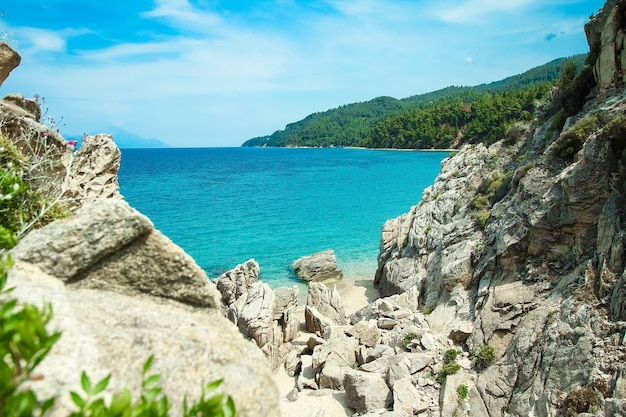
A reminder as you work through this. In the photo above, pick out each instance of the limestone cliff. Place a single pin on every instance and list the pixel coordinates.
(524, 243)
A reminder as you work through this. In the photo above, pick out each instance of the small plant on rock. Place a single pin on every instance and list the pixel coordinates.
(582, 400)
(483, 357)
(450, 356)
(450, 366)
(462, 392)
(408, 338)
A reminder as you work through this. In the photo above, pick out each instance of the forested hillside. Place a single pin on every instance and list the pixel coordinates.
(439, 119)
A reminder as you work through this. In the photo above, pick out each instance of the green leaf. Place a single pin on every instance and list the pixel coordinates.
(152, 380)
(101, 386)
(85, 383)
(46, 406)
(229, 409)
(76, 399)
(147, 365)
(120, 403)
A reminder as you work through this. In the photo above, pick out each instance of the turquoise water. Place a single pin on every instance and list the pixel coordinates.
(224, 206)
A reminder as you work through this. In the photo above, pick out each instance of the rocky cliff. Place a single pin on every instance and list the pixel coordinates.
(523, 243)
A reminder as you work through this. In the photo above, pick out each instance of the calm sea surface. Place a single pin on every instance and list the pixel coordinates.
(224, 206)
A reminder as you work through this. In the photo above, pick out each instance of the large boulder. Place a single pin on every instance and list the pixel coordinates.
(106, 332)
(109, 245)
(327, 302)
(321, 266)
(366, 392)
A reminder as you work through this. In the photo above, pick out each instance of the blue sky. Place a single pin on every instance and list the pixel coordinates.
(216, 73)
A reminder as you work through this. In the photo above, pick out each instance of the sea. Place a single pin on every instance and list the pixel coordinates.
(224, 206)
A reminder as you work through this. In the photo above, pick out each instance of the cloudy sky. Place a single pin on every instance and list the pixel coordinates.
(216, 72)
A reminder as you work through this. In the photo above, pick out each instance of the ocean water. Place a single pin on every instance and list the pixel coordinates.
(224, 206)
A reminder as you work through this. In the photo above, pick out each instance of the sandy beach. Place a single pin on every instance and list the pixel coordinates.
(355, 294)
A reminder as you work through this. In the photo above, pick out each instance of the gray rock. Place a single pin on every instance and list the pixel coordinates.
(93, 173)
(313, 341)
(321, 266)
(342, 346)
(366, 332)
(327, 302)
(332, 373)
(9, 60)
(428, 342)
(107, 332)
(379, 365)
(293, 363)
(109, 245)
(233, 283)
(316, 322)
(366, 392)
(407, 399)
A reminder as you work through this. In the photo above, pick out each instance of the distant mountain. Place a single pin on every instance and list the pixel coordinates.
(125, 139)
(353, 124)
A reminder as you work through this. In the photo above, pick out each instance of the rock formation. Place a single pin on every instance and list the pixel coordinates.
(323, 307)
(266, 316)
(94, 170)
(519, 247)
(321, 266)
(605, 35)
(9, 60)
(105, 332)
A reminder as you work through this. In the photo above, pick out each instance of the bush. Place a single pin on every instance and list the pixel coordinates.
(582, 400)
(615, 132)
(450, 356)
(24, 206)
(569, 143)
(408, 338)
(462, 392)
(448, 369)
(484, 357)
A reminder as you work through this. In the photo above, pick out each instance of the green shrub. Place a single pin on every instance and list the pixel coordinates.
(569, 143)
(582, 400)
(450, 356)
(615, 132)
(558, 121)
(481, 217)
(483, 357)
(24, 343)
(462, 392)
(448, 369)
(408, 338)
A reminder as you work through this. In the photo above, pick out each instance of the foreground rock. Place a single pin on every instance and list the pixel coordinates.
(321, 266)
(107, 332)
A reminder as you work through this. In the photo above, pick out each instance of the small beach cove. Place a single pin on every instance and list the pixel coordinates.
(224, 206)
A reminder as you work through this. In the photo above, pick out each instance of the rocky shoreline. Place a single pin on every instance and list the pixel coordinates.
(500, 294)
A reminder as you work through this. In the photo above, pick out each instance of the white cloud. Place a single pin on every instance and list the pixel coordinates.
(41, 40)
(181, 14)
(471, 10)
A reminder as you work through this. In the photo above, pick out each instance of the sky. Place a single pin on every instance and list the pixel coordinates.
(213, 73)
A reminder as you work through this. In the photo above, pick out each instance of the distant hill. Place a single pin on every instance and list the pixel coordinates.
(353, 124)
(125, 139)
